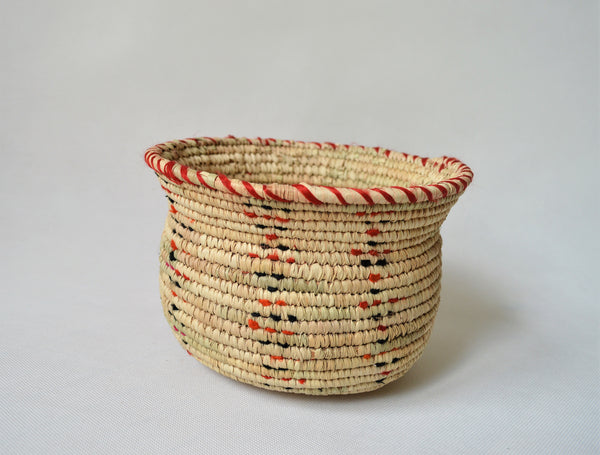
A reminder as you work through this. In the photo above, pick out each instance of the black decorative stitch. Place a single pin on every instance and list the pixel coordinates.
(380, 364)
(282, 247)
(365, 262)
(292, 318)
(375, 291)
(381, 262)
(272, 289)
(273, 368)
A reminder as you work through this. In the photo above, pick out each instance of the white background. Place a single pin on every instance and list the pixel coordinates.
(88, 363)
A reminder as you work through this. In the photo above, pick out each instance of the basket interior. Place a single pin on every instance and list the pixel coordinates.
(288, 164)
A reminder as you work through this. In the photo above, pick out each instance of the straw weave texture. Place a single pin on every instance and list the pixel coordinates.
(302, 267)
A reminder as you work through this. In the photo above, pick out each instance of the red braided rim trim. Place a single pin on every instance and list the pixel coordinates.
(306, 193)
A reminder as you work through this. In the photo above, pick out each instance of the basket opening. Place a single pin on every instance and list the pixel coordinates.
(289, 164)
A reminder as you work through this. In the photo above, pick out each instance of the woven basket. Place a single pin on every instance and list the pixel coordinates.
(302, 267)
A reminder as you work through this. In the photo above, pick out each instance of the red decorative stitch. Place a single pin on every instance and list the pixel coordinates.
(367, 356)
(426, 191)
(361, 213)
(173, 246)
(280, 303)
(183, 171)
(365, 195)
(250, 214)
(373, 232)
(282, 220)
(201, 179)
(172, 209)
(307, 194)
(374, 278)
(409, 194)
(453, 183)
(290, 260)
(227, 183)
(277, 357)
(356, 252)
(273, 257)
(337, 194)
(270, 330)
(301, 381)
(271, 236)
(272, 195)
(251, 190)
(442, 189)
(385, 373)
(386, 195)
(168, 171)
(265, 302)
(382, 328)
(253, 324)
(373, 252)
(364, 305)
(253, 255)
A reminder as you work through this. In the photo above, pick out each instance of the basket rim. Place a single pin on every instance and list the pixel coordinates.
(305, 192)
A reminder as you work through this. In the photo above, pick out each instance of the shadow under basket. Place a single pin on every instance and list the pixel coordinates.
(302, 267)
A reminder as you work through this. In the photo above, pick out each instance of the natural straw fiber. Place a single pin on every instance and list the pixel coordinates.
(302, 267)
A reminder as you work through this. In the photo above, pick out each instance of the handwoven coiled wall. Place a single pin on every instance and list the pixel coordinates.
(304, 267)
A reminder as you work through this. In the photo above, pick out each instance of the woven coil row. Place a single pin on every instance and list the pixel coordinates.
(329, 286)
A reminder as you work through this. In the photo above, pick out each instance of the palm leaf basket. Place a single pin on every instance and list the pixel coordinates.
(299, 266)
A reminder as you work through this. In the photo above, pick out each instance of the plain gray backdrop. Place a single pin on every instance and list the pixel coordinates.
(88, 363)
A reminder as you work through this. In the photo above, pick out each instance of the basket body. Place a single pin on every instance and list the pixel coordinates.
(302, 267)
